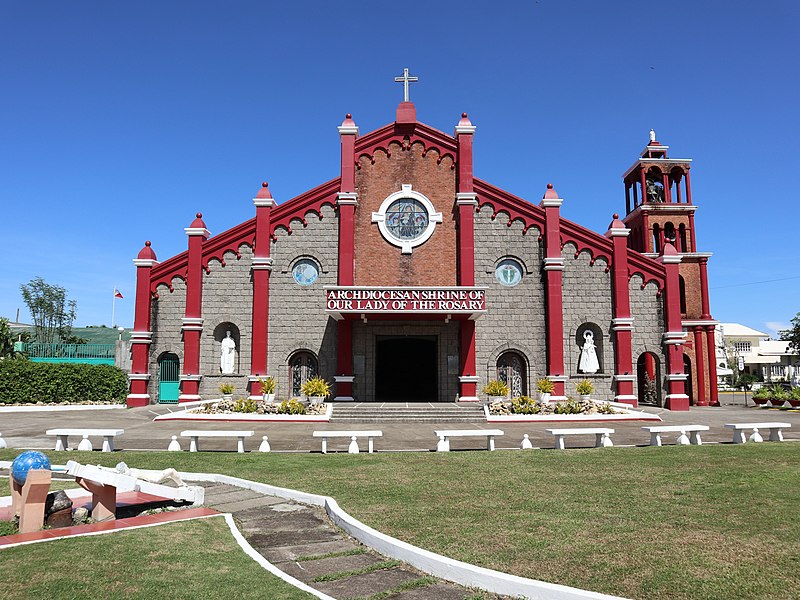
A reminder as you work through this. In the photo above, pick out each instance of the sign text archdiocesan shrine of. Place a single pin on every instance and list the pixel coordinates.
(443, 300)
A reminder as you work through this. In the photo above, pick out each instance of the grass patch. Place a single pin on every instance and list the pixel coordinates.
(352, 552)
(57, 484)
(191, 560)
(379, 566)
(671, 522)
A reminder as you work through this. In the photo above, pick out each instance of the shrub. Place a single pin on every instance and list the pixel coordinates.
(316, 386)
(569, 407)
(584, 387)
(545, 386)
(762, 393)
(267, 385)
(226, 388)
(796, 393)
(523, 405)
(495, 388)
(26, 382)
(245, 405)
(292, 407)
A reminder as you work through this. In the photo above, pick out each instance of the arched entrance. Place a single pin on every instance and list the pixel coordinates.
(169, 370)
(512, 370)
(648, 376)
(406, 370)
(302, 367)
(687, 368)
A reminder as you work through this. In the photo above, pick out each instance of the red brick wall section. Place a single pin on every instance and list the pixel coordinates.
(377, 262)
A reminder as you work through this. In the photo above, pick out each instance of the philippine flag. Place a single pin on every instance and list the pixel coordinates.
(117, 293)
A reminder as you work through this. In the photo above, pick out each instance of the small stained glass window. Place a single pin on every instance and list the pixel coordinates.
(406, 219)
(305, 271)
(508, 272)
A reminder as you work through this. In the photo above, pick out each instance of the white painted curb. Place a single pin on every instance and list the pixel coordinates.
(60, 408)
(429, 562)
(185, 415)
(631, 415)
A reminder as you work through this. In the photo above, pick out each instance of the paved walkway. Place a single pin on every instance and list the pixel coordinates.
(300, 540)
(26, 430)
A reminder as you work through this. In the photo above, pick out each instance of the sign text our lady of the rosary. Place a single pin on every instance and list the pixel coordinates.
(422, 300)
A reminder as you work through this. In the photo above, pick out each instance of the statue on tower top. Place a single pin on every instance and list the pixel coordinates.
(652, 135)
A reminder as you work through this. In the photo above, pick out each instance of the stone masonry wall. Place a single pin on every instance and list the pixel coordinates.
(588, 298)
(297, 318)
(227, 298)
(516, 317)
(167, 312)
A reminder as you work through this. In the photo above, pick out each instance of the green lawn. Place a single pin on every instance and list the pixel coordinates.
(717, 521)
(193, 560)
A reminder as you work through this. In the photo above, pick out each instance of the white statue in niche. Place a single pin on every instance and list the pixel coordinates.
(227, 356)
(588, 362)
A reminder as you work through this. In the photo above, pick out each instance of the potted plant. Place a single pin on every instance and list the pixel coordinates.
(761, 396)
(496, 390)
(267, 389)
(794, 397)
(226, 389)
(545, 387)
(584, 389)
(316, 390)
(777, 395)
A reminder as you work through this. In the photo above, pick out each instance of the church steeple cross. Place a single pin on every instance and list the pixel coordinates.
(405, 79)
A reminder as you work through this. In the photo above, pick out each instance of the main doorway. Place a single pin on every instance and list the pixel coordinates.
(406, 369)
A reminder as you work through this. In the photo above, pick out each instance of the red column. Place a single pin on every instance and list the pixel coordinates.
(622, 324)
(688, 187)
(466, 202)
(141, 336)
(699, 367)
(705, 304)
(643, 183)
(262, 268)
(711, 347)
(674, 336)
(667, 188)
(554, 267)
(193, 318)
(347, 201)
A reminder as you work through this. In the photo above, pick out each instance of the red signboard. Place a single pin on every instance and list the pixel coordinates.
(449, 300)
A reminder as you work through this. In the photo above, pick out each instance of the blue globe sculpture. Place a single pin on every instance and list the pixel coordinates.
(32, 459)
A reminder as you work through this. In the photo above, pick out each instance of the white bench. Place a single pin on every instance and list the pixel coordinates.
(195, 434)
(353, 435)
(62, 437)
(683, 439)
(602, 435)
(775, 433)
(444, 435)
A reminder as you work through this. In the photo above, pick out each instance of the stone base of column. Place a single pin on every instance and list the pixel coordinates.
(469, 388)
(136, 400)
(626, 399)
(677, 402)
(344, 388)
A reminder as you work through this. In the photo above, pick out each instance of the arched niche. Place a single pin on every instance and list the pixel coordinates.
(586, 335)
(220, 333)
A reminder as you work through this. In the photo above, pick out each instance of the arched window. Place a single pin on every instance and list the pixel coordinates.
(682, 237)
(511, 370)
(657, 238)
(682, 286)
(669, 232)
(302, 367)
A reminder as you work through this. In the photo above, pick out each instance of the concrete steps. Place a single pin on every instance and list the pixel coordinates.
(302, 542)
(406, 413)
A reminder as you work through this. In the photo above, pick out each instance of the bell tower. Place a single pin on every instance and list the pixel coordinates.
(658, 198)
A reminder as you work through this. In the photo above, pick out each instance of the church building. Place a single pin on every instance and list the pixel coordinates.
(407, 278)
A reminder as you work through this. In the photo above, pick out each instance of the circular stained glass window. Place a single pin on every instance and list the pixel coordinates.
(305, 271)
(508, 272)
(406, 219)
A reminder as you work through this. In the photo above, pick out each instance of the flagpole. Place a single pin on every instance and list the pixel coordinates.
(113, 305)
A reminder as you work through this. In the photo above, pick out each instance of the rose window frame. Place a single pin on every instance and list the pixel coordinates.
(405, 192)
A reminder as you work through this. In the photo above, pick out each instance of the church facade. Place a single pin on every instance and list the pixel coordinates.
(406, 278)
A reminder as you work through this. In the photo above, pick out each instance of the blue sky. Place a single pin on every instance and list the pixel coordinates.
(119, 121)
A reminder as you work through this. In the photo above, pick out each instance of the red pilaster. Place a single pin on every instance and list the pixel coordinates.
(468, 378)
(692, 236)
(193, 317)
(705, 304)
(554, 267)
(262, 268)
(141, 336)
(688, 188)
(700, 369)
(347, 201)
(674, 336)
(711, 347)
(622, 323)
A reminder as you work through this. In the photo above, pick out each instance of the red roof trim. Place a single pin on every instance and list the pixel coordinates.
(516, 207)
(406, 136)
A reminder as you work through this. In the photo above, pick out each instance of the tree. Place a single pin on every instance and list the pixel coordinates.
(52, 312)
(792, 335)
(7, 341)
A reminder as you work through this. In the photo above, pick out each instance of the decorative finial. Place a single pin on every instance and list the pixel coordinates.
(549, 186)
(652, 135)
(199, 215)
(615, 216)
(405, 79)
(147, 243)
(264, 184)
(463, 115)
(348, 116)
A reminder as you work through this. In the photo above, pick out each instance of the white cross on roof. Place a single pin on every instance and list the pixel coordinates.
(405, 79)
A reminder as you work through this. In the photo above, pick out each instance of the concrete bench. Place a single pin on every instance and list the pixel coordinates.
(62, 437)
(775, 433)
(602, 435)
(444, 435)
(196, 434)
(683, 439)
(353, 435)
